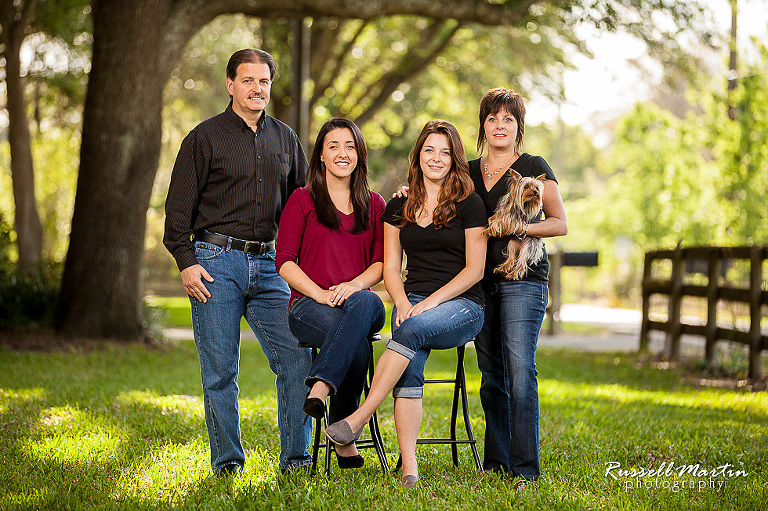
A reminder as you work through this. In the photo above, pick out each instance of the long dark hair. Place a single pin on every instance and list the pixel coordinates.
(456, 187)
(359, 192)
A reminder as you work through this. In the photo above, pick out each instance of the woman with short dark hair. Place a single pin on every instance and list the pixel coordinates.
(514, 309)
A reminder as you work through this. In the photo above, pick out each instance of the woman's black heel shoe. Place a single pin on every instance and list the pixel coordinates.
(355, 461)
(314, 407)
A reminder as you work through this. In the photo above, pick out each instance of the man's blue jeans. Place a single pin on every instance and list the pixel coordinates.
(341, 333)
(509, 391)
(451, 324)
(248, 285)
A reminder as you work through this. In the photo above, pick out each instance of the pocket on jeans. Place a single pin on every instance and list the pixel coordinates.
(205, 251)
(295, 303)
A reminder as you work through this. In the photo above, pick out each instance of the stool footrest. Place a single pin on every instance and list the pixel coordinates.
(443, 441)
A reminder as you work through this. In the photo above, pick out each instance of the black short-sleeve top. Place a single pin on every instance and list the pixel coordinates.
(527, 166)
(435, 256)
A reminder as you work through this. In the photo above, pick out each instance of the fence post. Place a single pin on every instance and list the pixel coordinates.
(555, 291)
(712, 298)
(675, 300)
(755, 291)
(646, 302)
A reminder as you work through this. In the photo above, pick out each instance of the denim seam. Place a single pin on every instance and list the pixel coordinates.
(206, 399)
(297, 318)
(278, 371)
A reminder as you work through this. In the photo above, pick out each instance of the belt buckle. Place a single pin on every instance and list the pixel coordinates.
(249, 244)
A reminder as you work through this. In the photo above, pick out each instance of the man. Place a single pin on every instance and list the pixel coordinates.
(232, 176)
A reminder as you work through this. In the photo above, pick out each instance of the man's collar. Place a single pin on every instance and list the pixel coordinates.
(239, 121)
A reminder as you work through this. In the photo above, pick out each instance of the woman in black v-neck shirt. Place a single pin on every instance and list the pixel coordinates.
(439, 228)
(514, 311)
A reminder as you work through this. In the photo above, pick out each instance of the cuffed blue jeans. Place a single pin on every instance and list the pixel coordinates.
(248, 285)
(509, 390)
(451, 324)
(341, 333)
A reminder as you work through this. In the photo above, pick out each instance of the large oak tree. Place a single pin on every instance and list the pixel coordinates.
(136, 45)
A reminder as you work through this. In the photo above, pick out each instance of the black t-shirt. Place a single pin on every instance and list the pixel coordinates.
(527, 166)
(435, 256)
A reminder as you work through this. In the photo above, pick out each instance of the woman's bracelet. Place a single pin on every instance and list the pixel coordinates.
(523, 234)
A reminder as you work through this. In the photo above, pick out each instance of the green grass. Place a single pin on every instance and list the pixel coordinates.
(122, 427)
(176, 312)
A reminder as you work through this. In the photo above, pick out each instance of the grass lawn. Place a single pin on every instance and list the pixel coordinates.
(175, 312)
(122, 427)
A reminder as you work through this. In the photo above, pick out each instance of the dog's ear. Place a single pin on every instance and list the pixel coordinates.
(514, 176)
(542, 177)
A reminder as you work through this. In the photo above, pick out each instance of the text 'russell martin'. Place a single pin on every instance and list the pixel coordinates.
(697, 478)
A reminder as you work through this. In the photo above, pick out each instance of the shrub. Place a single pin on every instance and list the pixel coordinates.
(27, 300)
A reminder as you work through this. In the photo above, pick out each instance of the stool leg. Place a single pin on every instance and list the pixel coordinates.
(328, 448)
(373, 424)
(457, 388)
(465, 407)
(316, 445)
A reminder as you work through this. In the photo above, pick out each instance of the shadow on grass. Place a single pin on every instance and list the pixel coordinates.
(124, 427)
(99, 426)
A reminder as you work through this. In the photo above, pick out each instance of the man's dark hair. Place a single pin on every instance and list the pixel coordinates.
(250, 56)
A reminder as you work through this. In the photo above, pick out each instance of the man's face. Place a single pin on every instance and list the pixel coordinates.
(250, 89)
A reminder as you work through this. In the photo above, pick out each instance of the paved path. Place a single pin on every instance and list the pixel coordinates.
(620, 331)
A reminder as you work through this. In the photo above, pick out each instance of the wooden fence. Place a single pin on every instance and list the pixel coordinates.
(717, 266)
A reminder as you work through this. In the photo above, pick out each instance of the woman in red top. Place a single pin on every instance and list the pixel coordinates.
(330, 251)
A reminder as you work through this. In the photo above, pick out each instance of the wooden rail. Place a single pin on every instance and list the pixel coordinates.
(558, 259)
(711, 261)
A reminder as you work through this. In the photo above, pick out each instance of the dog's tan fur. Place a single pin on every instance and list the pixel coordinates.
(517, 208)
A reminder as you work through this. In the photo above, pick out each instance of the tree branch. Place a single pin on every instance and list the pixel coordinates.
(407, 69)
(186, 17)
(338, 60)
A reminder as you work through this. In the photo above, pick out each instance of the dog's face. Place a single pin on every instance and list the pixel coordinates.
(527, 192)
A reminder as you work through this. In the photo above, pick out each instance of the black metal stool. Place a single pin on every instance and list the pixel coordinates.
(374, 442)
(460, 388)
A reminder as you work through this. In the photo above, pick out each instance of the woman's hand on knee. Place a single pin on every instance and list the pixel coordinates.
(340, 292)
(323, 297)
(422, 306)
(403, 310)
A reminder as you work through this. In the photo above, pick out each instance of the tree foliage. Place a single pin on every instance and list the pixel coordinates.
(700, 179)
(121, 130)
(47, 90)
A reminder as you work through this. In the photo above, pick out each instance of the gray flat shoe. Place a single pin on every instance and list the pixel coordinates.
(408, 481)
(341, 434)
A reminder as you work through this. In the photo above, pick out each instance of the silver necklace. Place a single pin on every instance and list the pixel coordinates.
(491, 175)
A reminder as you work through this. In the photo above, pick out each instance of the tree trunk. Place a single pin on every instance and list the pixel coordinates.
(101, 286)
(29, 231)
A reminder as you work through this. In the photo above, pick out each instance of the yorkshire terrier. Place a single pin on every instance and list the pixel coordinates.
(513, 214)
